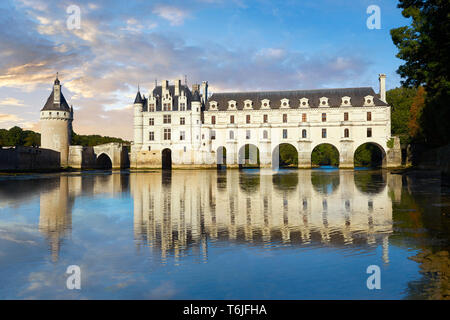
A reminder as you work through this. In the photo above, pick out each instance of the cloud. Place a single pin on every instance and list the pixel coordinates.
(11, 102)
(174, 15)
(8, 118)
(119, 47)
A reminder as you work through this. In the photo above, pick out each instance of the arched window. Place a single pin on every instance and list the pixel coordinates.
(304, 134)
(346, 133)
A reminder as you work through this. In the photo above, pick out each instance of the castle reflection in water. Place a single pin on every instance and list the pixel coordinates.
(178, 213)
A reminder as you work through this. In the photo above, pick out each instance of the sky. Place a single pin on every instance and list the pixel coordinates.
(235, 45)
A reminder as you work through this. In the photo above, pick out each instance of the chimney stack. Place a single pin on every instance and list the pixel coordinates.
(177, 87)
(205, 91)
(382, 78)
(165, 85)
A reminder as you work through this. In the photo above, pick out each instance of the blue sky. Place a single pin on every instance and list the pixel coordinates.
(235, 45)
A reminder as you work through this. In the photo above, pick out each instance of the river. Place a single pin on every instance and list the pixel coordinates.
(206, 234)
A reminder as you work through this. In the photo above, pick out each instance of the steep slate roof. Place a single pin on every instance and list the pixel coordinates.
(157, 92)
(64, 106)
(138, 98)
(334, 95)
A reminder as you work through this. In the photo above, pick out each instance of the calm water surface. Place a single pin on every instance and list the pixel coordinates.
(252, 234)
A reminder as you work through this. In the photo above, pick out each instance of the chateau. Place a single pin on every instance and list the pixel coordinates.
(178, 127)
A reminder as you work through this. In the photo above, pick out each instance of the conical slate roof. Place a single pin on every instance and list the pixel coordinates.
(138, 98)
(49, 105)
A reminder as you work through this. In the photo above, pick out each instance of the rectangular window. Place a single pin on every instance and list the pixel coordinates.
(345, 116)
(182, 106)
(231, 119)
(167, 118)
(324, 133)
(167, 134)
(166, 107)
(182, 121)
(247, 119)
(324, 117)
(151, 107)
(369, 132)
(213, 135)
(151, 136)
(285, 134)
(265, 118)
(284, 118)
(182, 136)
(213, 120)
(247, 134)
(303, 117)
(151, 121)
(369, 116)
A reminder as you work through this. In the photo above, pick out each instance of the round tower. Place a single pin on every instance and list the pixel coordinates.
(56, 123)
(138, 122)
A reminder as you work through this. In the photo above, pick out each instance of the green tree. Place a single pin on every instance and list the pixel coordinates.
(425, 48)
(325, 154)
(93, 140)
(400, 100)
(16, 136)
(288, 155)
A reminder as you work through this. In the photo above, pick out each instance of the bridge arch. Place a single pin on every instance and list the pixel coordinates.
(370, 182)
(248, 156)
(221, 157)
(369, 154)
(103, 162)
(285, 155)
(166, 159)
(325, 154)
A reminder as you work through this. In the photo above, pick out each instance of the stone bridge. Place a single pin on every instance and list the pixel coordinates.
(105, 156)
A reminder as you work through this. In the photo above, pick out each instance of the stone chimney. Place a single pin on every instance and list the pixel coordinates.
(204, 91)
(177, 87)
(382, 78)
(165, 86)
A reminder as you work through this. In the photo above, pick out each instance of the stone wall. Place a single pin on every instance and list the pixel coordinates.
(29, 158)
(81, 157)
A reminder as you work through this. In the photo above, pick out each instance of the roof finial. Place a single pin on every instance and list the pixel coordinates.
(139, 88)
(57, 73)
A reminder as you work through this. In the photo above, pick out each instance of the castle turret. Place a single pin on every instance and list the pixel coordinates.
(56, 123)
(138, 121)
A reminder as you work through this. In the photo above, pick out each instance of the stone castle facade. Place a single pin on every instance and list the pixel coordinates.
(178, 127)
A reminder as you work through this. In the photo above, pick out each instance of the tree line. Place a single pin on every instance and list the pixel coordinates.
(16, 136)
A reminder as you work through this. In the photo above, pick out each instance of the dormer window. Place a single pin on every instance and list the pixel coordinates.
(248, 104)
(304, 103)
(368, 101)
(213, 105)
(232, 104)
(323, 102)
(285, 103)
(345, 102)
(265, 104)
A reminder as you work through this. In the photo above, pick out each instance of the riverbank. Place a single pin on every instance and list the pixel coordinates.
(436, 268)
